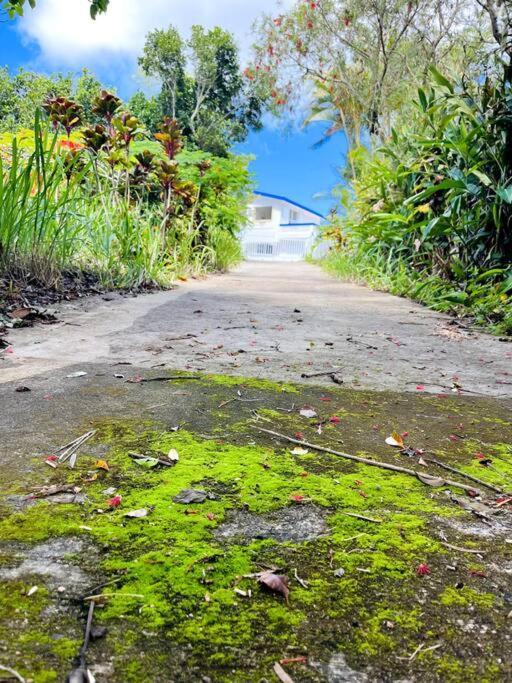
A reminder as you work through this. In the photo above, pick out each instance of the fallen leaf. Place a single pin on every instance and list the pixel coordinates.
(22, 390)
(210, 516)
(173, 455)
(429, 480)
(75, 375)
(188, 496)
(338, 573)
(33, 590)
(281, 674)
(299, 451)
(114, 502)
(299, 436)
(395, 440)
(308, 412)
(20, 313)
(102, 465)
(146, 462)
(137, 514)
(275, 583)
(297, 498)
(335, 420)
(420, 387)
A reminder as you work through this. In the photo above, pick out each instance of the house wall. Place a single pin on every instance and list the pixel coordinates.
(289, 235)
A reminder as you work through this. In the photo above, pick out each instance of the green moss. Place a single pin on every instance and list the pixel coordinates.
(252, 383)
(465, 597)
(178, 583)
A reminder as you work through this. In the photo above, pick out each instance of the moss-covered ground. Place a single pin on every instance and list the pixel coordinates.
(182, 603)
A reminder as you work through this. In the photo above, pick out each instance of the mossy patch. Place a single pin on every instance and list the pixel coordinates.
(184, 603)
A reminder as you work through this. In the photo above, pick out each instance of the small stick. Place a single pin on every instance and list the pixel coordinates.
(104, 596)
(320, 374)
(366, 519)
(364, 461)
(13, 673)
(449, 468)
(463, 550)
(281, 674)
(107, 583)
(176, 378)
(301, 581)
(87, 631)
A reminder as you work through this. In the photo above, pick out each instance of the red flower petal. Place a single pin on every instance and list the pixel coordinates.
(114, 502)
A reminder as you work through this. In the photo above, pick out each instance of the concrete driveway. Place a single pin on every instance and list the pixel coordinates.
(276, 321)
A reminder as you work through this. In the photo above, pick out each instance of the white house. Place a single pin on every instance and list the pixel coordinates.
(280, 230)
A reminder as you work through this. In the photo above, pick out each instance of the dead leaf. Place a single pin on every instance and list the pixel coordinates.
(33, 590)
(20, 313)
(308, 412)
(275, 583)
(395, 440)
(188, 496)
(299, 451)
(137, 514)
(281, 674)
(75, 375)
(102, 465)
(173, 455)
(427, 479)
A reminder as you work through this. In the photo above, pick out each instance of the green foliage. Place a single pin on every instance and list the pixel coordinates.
(435, 197)
(16, 7)
(135, 212)
(23, 93)
(202, 87)
(364, 58)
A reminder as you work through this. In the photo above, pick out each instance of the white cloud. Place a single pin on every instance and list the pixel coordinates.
(67, 37)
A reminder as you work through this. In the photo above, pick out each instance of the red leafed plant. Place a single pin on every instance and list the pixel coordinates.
(423, 569)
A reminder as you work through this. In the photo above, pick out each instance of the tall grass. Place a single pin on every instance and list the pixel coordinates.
(59, 213)
(40, 226)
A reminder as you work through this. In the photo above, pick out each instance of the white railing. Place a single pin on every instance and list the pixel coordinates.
(284, 244)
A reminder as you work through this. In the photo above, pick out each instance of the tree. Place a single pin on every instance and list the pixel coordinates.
(365, 56)
(202, 86)
(150, 110)
(85, 91)
(16, 7)
(163, 58)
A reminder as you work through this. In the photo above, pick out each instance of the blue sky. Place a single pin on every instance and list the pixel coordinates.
(59, 36)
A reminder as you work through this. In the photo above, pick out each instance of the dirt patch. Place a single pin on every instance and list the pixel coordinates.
(297, 524)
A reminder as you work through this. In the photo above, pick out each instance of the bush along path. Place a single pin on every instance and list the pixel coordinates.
(84, 209)
(200, 529)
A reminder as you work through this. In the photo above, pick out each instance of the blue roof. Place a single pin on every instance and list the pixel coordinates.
(289, 201)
